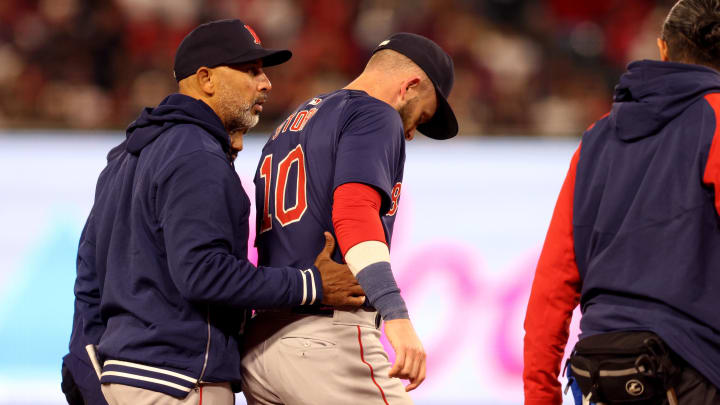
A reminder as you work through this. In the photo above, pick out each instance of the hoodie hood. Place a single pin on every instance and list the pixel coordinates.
(175, 109)
(652, 93)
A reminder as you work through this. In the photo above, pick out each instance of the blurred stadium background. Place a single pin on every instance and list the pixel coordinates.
(530, 76)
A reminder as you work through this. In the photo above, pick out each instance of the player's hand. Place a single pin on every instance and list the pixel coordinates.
(409, 352)
(340, 287)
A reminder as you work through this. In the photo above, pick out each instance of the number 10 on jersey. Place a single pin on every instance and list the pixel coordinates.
(285, 216)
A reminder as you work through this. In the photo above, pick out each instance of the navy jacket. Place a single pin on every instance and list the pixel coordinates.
(635, 237)
(163, 278)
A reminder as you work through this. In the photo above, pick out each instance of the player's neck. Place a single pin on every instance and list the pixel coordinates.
(374, 86)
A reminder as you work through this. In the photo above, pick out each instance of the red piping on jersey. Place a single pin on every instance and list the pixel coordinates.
(356, 215)
(200, 402)
(372, 373)
(711, 175)
(555, 294)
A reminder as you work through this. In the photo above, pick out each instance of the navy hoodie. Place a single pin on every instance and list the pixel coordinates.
(635, 236)
(163, 279)
(647, 236)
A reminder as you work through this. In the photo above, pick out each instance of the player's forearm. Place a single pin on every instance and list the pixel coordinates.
(370, 263)
(218, 277)
(382, 291)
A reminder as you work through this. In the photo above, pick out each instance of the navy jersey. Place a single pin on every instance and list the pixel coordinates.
(342, 137)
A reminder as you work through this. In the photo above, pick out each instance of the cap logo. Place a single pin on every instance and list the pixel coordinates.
(385, 42)
(254, 35)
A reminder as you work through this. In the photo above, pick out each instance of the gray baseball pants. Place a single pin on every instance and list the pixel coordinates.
(315, 359)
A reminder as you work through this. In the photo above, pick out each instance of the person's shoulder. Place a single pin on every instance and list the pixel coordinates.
(361, 106)
(188, 145)
(187, 138)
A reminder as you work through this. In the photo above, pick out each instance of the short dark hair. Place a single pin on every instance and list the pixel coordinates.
(692, 32)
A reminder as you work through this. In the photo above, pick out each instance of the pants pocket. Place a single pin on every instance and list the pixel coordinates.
(306, 342)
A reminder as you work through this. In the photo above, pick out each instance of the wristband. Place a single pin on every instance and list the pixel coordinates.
(381, 291)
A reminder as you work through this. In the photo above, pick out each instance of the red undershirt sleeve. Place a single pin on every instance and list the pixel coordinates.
(711, 175)
(356, 215)
(554, 296)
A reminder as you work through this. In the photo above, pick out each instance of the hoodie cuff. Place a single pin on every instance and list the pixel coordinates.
(310, 286)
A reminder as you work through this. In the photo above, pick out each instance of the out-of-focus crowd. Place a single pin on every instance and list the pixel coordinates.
(525, 67)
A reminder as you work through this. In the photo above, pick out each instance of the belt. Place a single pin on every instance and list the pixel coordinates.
(310, 310)
(325, 311)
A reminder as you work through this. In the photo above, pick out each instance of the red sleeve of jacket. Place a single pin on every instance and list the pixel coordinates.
(356, 215)
(555, 294)
(711, 175)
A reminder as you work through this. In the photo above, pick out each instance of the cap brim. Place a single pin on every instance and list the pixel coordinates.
(443, 125)
(270, 57)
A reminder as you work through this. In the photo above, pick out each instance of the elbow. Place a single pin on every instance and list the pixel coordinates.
(191, 278)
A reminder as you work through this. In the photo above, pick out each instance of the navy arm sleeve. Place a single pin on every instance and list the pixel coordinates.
(195, 201)
(88, 326)
(370, 148)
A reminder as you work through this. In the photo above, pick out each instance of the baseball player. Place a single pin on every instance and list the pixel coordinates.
(337, 163)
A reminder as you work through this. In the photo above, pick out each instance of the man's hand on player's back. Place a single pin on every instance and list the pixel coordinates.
(409, 352)
(340, 287)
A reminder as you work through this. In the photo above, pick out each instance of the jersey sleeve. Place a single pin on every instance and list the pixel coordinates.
(555, 294)
(370, 148)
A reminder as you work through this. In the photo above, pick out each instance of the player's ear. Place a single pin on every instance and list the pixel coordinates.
(409, 85)
(205, 79)
(663, 49)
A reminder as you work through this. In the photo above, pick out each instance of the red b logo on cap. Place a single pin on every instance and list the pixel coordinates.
(254, 35)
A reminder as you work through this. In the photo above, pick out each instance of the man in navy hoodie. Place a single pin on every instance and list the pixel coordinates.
(163, 281)
(635, 236)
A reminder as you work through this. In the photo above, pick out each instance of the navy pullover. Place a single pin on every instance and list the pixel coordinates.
(635, 237)
(163, 278)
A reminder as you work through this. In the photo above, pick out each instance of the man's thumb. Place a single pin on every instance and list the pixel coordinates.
(356, 301)
(329, 244)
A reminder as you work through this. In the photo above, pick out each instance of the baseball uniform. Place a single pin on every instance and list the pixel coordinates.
(344, 137)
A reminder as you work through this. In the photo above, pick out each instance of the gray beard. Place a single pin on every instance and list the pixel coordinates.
(240, 117)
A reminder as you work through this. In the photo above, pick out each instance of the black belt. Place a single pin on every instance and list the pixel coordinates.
(309, 310)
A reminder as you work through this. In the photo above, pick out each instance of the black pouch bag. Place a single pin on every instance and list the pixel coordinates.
(623, 368)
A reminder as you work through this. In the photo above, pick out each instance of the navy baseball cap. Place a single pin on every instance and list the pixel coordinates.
(223, 42)
(438, 66)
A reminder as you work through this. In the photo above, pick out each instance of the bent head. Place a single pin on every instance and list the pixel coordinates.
(691, 33)
(412, 93)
